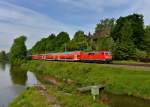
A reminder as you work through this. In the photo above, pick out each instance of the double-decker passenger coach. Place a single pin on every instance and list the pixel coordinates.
(77, 56)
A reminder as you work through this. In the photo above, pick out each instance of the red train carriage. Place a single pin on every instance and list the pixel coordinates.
(101, 56)
(38, 56)
(66, 56)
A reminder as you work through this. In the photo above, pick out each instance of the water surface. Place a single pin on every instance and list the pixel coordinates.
(13, 81)
(126, 101)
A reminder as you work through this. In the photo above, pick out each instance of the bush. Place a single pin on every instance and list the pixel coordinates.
(140, 54)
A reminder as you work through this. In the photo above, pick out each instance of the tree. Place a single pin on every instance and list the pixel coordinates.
(61, 40)
(39, 47)
(79, 42)
(79, 37)
(128, 35)
(124, 46)
(137, 26)
(103, 29)
(147, 39)
(50, 43)
(105, 43)
(45, 45)
(124, 51)
(18, 51)
(137, 23)
(101, 39)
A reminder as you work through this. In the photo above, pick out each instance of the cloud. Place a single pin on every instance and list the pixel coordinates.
(16, 20)
(143, 7)
(29, 18)
(37, 18)
(96, 5)
(140, 7)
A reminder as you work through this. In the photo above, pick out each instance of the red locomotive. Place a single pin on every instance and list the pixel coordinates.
(80, 56)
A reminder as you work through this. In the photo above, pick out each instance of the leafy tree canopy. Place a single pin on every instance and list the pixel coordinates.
(18, 50)
(104, 28)
(79, 42)
(45, 45)
(137, 26)
(61, 40)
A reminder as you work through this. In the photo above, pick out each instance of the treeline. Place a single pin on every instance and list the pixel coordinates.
(127, 38)
(100, 40)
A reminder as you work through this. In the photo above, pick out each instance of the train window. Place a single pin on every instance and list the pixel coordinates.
(107, 53)
(91, 53)
(102, 53)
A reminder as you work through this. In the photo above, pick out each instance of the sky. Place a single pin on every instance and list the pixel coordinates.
(39, 18)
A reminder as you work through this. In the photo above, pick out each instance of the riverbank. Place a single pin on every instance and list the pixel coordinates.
(70, 76)
(30, 98)
(55, 97)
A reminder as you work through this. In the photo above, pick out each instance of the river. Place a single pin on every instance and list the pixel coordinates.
(13, 81)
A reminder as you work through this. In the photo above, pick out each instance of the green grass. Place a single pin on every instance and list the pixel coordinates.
(119, 80)
(73, 99)
(30, 98)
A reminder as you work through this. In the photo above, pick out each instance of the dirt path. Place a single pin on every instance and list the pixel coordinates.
(52, 101)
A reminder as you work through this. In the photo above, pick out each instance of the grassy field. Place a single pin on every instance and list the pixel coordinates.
(30, 98)
(117, 80)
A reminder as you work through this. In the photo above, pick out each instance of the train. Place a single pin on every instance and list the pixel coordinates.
(76, 56)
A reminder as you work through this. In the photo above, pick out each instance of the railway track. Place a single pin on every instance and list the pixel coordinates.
(136, 65)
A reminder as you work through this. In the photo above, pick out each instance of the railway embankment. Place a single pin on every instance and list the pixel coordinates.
(68, 76)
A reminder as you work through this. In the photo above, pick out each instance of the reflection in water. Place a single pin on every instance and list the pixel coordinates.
(32, 80)
(18, 75)
(2, 66)
(13, 81)
(126, 101)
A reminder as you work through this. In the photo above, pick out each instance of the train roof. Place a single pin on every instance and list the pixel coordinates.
(66, 52)
(72, 52)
